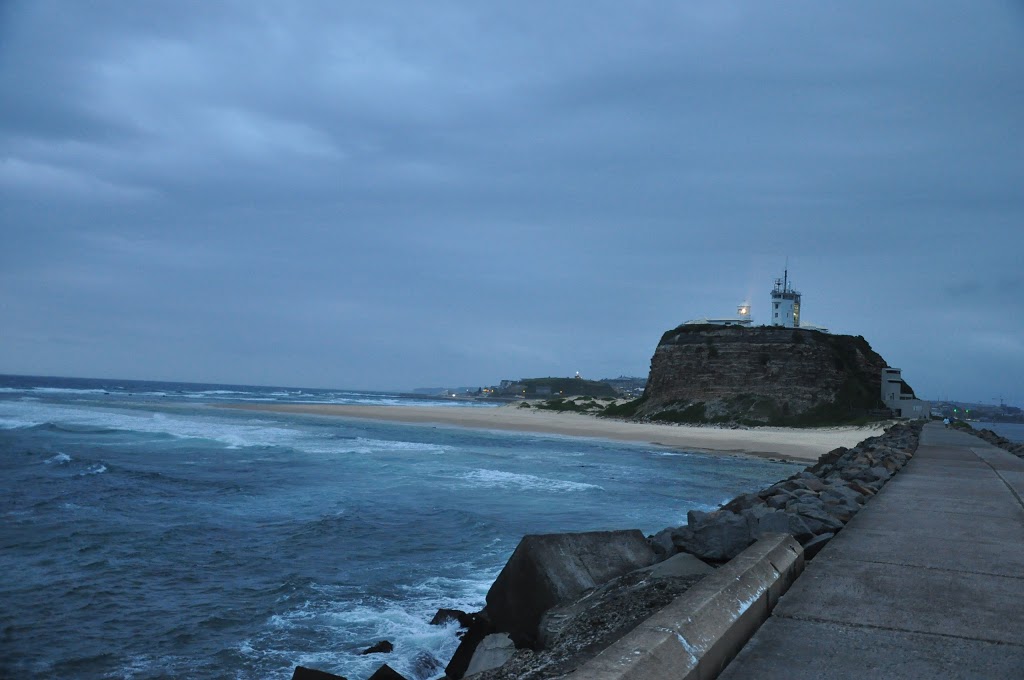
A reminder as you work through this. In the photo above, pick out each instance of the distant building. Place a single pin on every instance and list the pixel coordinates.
(627, 386)
(742, 318)
(785, 310)
(897, 396)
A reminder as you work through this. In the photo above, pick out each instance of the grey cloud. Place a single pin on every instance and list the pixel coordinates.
(404, 193)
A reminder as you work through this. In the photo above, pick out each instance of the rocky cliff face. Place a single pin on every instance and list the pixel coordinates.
(761, 375)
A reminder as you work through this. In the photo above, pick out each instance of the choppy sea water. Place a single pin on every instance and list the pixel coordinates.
(147, 533)
(1012, 431)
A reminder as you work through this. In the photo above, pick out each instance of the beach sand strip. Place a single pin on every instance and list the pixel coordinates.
(800, 444)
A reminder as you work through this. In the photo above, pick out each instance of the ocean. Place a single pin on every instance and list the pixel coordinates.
(1012, 431)
(145, 532)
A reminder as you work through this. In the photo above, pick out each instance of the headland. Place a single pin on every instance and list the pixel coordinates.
(769, 442)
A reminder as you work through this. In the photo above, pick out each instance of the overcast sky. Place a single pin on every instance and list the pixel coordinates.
(399, 194)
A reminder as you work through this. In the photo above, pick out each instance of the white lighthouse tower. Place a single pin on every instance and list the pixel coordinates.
(785, 303)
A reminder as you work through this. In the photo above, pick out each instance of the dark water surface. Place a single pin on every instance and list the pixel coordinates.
(145, 533)
(1012, 431)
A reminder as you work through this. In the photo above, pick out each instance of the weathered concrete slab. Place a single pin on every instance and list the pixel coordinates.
(939, 469)
(1000, 459)
(492, 652)
(993, 555)
(1015, 480)
(927, 581)
(909, 598)
(965, 525)
(937, 482)
(789, 649)
(699, 632)
(986, 505)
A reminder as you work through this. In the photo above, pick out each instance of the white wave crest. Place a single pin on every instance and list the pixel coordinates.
(358, 625)
(506, 480)
(365, 445)
(14, 423)
(231, 433)
(67, 390)
(59, 459)
(97, 469)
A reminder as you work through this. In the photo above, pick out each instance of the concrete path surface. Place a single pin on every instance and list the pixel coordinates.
(927, 581)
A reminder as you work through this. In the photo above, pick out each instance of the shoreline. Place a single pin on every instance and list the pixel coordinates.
(792, 444)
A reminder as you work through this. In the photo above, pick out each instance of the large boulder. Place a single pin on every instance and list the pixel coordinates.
(382, 647)
(717, 536)
(443, 616)
(549, 569)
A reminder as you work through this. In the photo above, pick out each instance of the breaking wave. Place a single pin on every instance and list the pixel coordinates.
(502, 479)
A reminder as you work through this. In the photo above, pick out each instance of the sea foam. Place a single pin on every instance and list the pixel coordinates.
(503, 479)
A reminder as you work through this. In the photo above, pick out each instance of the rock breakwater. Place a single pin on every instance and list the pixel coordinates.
(563, 598)
(991, 437)
(812, 505)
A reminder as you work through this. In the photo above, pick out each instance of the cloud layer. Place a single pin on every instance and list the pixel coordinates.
(336, 194)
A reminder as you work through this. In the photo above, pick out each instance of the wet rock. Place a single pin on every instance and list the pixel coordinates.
(386, 672)
(443, 616)
(382, 647)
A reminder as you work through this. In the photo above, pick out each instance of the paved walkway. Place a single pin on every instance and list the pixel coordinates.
(927, 581)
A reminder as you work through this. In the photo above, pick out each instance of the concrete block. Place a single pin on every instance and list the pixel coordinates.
(697, 634)
(492, 652)
(899, 597)
(810, 650)
(550, 569)
(682, 564)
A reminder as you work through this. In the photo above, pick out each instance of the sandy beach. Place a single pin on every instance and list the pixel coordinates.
(773, 442)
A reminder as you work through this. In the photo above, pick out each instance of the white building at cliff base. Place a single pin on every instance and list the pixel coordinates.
(899, 398)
